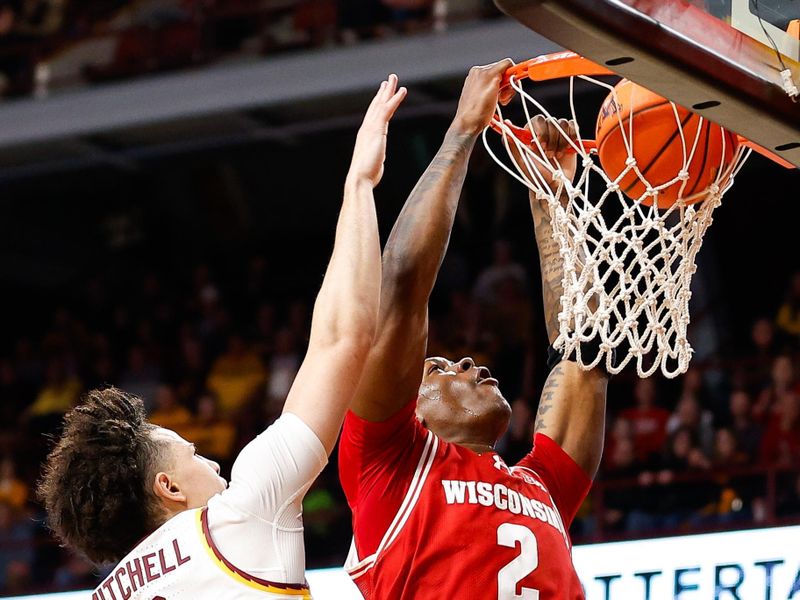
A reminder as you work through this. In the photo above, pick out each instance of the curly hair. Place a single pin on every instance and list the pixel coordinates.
(95, 483)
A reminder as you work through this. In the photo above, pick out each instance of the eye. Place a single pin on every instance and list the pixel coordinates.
(434, 367)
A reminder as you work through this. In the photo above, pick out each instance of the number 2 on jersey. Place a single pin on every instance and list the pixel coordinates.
(508, 534)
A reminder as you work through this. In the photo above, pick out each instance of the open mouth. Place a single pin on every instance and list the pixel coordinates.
(488, 381)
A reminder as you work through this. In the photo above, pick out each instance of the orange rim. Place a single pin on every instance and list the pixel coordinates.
(554, 66)
(559, 65)
(545, 68)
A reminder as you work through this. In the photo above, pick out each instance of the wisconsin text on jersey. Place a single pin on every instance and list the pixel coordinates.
(139, 570)
(501, 497)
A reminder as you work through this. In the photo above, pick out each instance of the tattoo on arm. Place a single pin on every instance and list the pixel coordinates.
(551, 265)
(547, 400)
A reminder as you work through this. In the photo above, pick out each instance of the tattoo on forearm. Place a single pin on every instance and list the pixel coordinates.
(546, 402)
(552, 267)
(433, 201)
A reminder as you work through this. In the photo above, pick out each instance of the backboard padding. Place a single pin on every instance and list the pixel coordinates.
(715, 70)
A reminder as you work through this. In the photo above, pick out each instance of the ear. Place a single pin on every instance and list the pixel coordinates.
(167, 489)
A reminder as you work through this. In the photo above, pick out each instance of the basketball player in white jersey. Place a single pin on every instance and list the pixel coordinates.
(120, 490)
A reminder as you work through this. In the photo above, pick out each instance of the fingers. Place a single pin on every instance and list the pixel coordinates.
(378, 98)
(386, 101)
(549, 133)
(390, 88)
(499, 67)
(506, 95)
(395, 101)
(385, 91)
(391, 97)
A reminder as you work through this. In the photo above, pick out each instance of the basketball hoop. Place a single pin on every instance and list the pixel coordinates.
(628, 259)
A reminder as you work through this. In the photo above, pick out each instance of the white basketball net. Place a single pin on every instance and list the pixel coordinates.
(627, 266)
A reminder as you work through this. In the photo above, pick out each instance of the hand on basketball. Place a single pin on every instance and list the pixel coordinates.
(555, 149)
(480, 96)
(370, 148)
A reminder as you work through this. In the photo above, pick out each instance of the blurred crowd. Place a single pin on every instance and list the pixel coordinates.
(213, 358)
(46, 44)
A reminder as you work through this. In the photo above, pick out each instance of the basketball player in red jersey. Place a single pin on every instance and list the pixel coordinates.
(437, 513)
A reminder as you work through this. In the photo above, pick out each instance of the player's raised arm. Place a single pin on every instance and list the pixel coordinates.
(414, 253)
(573, 402)
(346, 310)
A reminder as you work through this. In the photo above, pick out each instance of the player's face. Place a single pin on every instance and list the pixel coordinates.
(461, 402)
(196, 476)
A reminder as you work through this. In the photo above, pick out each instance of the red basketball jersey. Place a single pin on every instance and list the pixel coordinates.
(436, 520)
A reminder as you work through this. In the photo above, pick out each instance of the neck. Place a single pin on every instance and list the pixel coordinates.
(478, 448)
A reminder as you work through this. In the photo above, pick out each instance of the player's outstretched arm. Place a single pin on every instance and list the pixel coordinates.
(573, 402)
(346, 310)
(414, 253)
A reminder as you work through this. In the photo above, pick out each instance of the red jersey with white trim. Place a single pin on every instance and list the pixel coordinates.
(433, 519)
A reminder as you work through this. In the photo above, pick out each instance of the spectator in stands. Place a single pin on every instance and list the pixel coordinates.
(13, 490)
(620, 431)
(56, 397)
(782, 382)
(141, 376)
(8, 12)
(503, 267)
(516, 442)
(409, 14)
(780, 446)
(75, 574)
(236, 376)
(755, 367)
(747, 432)
(461, 324)
(168, 412)
(731, 500)
(26, 24)
(16, 68)
(727, 453)
(373, 18)
(621, 464)
(649, 421)
(689, 414)
(282, 369)
(214, 319)
(510, 320)
(191, 369)
(676, 500)
(788, 319)
(214, 436)
(155, 13)
(16, 549)
(40, 18)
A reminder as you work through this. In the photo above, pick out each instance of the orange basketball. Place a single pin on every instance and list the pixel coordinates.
(655, 140)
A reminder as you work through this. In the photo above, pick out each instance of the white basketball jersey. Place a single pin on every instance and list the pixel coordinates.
(247, 543)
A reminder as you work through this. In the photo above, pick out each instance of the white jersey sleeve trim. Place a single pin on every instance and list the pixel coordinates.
(357, 568)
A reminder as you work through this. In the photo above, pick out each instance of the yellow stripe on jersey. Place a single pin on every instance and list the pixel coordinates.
(283, 589)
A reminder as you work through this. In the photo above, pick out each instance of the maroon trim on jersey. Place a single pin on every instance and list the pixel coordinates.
(243, 574)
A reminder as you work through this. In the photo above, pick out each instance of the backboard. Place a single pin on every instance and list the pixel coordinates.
(735, 62)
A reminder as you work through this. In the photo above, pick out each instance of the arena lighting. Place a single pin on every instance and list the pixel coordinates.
(759, 564)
